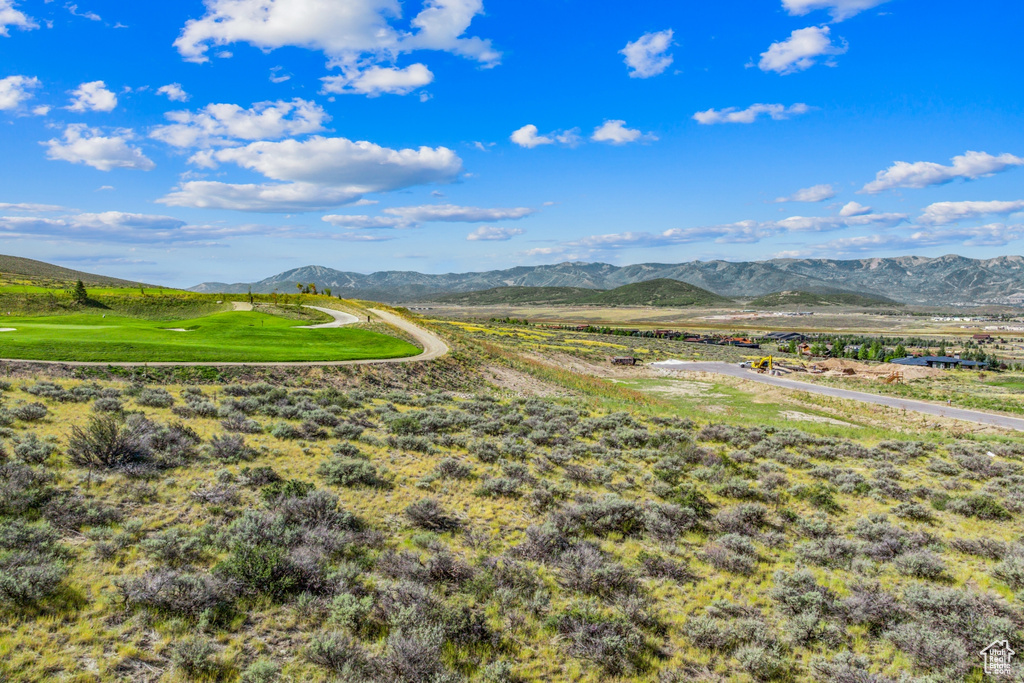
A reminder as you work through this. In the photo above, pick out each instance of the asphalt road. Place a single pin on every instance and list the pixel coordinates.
(340, 319)
(433, 347)
(733, 370)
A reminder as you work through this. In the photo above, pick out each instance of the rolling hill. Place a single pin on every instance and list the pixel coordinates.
(650, 293)
(815, 299)
(15, 267)
(943, 281)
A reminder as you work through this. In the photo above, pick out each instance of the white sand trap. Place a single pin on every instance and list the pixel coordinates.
(8, 329)
(177, 329)
(241, 306)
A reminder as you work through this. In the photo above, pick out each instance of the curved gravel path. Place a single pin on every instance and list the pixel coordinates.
(340, 319)
(936, 409)
(433, 347)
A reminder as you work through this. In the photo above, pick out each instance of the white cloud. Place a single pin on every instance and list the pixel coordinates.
(818, 193)
(800, 51)
(12, 17)
(942, 213)
(93, 96)
(353, 222)
(449, 213)
(488, 234)
(994, 235)
(855, 209)
(378, 80)
(354, 34)
(839, 9)
(969, 166)
(85, 145)
(91, 16)
(616, 133)
(14, 90)
(174, 92)
(742, 232)
(30, 208)
(527, 137)
(315, 174)
(648, 55)
(41, 110)
(778, 112)
(224, 124)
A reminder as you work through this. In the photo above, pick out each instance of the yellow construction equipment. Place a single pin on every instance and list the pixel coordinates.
(766, 364)
(895, 378)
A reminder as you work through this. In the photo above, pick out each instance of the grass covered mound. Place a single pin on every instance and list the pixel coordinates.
(322, 531)
(222, 337)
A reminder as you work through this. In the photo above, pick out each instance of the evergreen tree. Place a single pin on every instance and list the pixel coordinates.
(80, 295)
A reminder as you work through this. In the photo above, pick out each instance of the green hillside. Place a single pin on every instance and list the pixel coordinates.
(784, 299)
(516, 295)
(662, 292)
(22, 270)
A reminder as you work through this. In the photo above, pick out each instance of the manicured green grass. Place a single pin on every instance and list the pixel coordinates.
(222, 337)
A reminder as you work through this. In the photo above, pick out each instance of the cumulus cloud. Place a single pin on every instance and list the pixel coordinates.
(9, 16)
(648, 55)
(854, 209)
(920, 174)
(489, 234)
(839, 9)
(353, 34)
(942, 213)
(615, 132)
(91, 16)
(30, 208)
(778, 112)
(174, 92)
(378, 80)
(354, 222)
(92, 96)
(15, 90)
(527, 137)
(109, 225)
(800, 51)
(84, 145)
(818, 193)
(225, 124)
(316, 173)
(449, 213)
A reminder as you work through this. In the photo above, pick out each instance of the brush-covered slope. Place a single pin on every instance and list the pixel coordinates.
(660, 292)
(15, 267)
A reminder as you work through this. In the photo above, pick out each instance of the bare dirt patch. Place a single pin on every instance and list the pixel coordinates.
(844, 367)
(797, 416)
(520, 383)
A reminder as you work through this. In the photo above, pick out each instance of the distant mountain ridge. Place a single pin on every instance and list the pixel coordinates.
(646, 293)
(945, 280)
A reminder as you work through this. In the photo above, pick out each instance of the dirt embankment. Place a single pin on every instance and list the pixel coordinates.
(843, 367)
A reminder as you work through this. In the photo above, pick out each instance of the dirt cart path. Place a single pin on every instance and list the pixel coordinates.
(890, 401)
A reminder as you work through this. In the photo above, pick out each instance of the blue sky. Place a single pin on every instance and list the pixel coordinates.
(234, 139)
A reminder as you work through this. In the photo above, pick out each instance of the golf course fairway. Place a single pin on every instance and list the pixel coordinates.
(232, 337)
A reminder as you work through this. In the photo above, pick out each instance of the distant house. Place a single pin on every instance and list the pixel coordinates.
(940, 362)
(784, 336)
(982, 338)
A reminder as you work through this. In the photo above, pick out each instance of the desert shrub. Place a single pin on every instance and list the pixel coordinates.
(921, 564)
(543, 543)
(26, 577)
(497, 487)
(615, 645)
(746, 518)
(603, 516)
(982, 547)
(108, 405)
(980, 506)
(689, 496)
(230, 448)
(194, 657)
(174, 547)
(873, 607)
(658, 567)
(798, 592)
(23, 488)
(175, 593)
(109, 443)
(828, 552)
(351, 472)
(819, 495)
(931, 649)
(430, 515)
(587, 570)
(914, 511)
(348, 430)
(412, 655)
(32, 450)
(239, 423)
(29, 412)
(73, 511)
(763, 664)
(668, 521)
(258, 477)
(846, 668)
(338, 653)
(731, 553)
(727, 631)
(262, 671)
(285, 431)
(155, 398)
(1011, 571)
(450, 468)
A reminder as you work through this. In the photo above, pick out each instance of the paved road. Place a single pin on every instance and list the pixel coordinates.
(433, 347)
(340, 319)
(939, 410)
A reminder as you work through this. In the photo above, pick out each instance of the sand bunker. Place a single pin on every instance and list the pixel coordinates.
(8, 329)
(177, 329)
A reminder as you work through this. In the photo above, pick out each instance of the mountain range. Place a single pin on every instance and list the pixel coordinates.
(942, 281)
